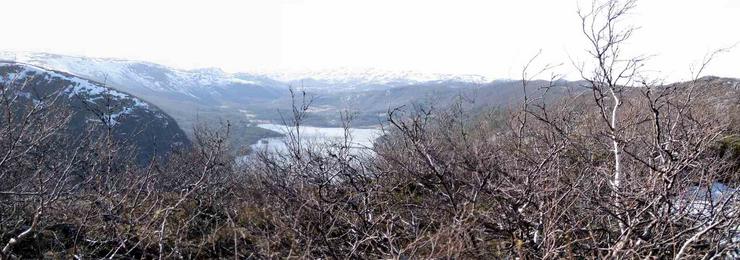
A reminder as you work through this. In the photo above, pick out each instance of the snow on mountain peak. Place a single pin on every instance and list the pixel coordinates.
(90, 91)
(131, 74)
(367, 76)
(161, 78)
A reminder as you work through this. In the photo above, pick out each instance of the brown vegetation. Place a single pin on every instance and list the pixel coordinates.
(625, 168)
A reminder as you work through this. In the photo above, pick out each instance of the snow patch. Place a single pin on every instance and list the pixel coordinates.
(79, 87)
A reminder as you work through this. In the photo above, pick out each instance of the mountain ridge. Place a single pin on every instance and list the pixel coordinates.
(93, 104)
(334, 76)
(212, 96)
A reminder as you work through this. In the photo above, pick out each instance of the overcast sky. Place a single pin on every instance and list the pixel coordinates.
(491, 38)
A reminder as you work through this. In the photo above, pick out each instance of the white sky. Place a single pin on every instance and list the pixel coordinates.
(487, 37)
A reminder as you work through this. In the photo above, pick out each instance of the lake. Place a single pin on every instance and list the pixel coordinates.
(361, 138)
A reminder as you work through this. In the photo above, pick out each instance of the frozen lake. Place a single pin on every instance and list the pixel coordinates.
(360, 137)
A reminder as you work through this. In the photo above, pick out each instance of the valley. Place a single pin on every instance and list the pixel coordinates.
(245, 100)
(332, 129)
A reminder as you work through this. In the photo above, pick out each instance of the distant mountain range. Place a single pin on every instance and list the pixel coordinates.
(244, 99)
(93, 104)
(189, 82)
(354, 79)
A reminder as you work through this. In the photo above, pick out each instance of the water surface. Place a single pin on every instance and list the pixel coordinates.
(361, 138)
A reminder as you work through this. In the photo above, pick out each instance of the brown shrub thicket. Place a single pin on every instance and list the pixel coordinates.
(621, 167)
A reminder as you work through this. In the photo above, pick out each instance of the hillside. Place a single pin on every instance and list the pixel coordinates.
(131, 120)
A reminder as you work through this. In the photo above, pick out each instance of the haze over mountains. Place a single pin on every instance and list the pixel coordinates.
(244, 100)
(210, 94)
(162, 78)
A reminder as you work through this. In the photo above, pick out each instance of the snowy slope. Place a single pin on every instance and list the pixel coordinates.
(134, 74)
(94, 105)
(87, 90)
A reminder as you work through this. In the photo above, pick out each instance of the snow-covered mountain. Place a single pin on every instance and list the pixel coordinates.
(211, 92)
(141, 77)
(207, 97)
(93, 105)
(349, 79)
(160, 78)
(211, 95)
